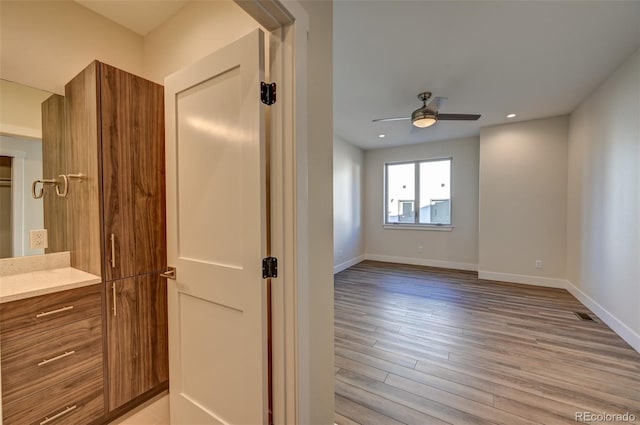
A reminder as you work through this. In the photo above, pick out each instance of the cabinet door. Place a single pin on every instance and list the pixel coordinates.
(152, 313)
(117, 116)
(137, 337)
(132, 112)
(123, 344)
(148, 176)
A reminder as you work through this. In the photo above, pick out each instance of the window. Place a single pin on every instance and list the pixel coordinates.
(418, 192)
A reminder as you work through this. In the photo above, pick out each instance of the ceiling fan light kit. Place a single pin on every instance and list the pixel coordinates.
(423, 118)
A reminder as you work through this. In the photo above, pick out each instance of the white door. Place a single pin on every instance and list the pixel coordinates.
(216, 215)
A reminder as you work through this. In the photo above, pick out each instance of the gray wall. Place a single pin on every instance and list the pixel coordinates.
(457, 248)
(603, 208)
(523, 192)
(348, 226)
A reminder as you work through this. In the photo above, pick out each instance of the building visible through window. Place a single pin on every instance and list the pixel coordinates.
(418, 192)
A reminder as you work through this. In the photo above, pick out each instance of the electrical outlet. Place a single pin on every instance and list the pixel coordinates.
(38, 239)
(420, 249)
(539, 264)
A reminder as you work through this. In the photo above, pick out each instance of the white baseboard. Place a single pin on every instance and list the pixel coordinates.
(624, 331)
(352, 262)
(422, 262)
(523, 278)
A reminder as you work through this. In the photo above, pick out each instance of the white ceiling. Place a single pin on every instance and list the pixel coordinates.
(140, 16)
(533, 58)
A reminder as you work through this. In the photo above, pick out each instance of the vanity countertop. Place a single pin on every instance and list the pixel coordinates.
(32, 284)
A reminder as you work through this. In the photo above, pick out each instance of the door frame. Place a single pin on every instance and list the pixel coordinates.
(288, 26)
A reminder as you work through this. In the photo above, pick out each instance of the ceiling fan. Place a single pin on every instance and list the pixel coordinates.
(428, 115)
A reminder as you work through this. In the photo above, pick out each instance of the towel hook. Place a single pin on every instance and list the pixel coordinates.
(44, 182)
(65, 191)
(61, 183)
(33, 190)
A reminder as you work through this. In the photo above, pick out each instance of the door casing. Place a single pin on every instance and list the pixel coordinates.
(288, 24)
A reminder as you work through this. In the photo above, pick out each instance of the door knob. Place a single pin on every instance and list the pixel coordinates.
(170, 273)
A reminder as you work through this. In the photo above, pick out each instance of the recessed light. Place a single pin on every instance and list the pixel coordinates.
(511, 116)
(381, 136)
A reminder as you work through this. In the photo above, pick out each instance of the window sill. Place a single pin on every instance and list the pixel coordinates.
(429, 227)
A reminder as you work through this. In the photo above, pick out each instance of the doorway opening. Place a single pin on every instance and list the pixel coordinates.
(6, 232)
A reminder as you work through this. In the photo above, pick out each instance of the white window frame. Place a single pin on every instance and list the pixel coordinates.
(416, 225)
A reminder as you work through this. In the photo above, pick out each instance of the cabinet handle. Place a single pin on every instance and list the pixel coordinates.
(56, 416)
(113, 251)
(60, 310)
(53, 359)
(113, 299)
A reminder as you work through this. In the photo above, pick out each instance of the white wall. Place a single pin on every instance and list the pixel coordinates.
(603, 214)
(47, 43)
(455, 249)
(317, 407)
(523, 191)
(63, 37)
(348, 223)
(21, 109)
(199, 28)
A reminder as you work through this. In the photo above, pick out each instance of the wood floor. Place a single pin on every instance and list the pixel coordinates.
(418, 345)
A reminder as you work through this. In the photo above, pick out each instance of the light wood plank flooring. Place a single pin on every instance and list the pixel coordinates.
(419, 345)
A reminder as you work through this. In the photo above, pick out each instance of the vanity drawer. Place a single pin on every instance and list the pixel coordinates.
(75, 401)
(52, 310)
(33, 361)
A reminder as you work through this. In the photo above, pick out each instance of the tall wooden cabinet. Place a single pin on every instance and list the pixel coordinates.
(115, 123)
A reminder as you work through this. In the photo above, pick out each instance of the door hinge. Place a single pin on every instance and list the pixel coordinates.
(268, 93)
(269, 267)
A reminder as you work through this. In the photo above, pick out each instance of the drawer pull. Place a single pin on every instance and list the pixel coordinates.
(57, 415)
(53, 359)
(60, 310)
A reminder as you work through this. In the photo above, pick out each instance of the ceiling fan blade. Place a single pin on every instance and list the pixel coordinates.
(391, 119)
(436, 103)
(458, 117)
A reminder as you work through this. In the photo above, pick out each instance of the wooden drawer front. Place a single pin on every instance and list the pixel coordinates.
(85, 392)
(52, 310)
(35, 361)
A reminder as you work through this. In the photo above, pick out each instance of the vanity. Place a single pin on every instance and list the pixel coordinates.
(51, 340)
(83, 328)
